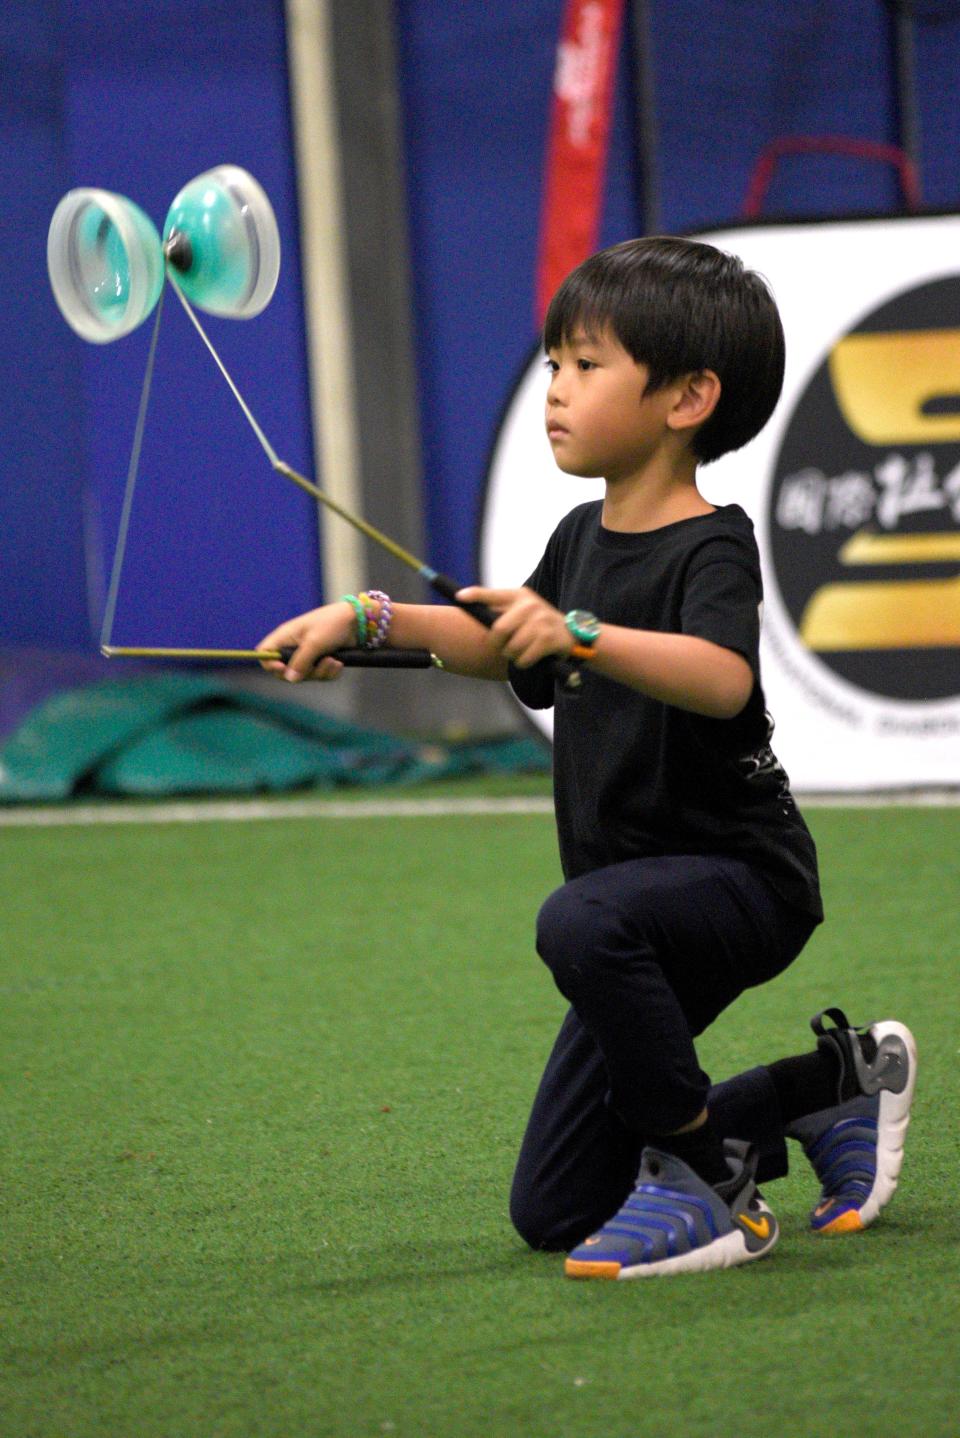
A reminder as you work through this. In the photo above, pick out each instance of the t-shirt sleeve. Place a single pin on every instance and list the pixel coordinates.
(722, 600)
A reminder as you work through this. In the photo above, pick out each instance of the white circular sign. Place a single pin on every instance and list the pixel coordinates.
(897, 515)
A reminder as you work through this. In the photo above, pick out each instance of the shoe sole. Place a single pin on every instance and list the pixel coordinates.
(727, 1252)
(892, 1122)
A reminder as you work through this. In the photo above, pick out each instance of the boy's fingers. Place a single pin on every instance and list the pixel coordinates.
(526, 646)
(270, 665)
(537, 632)
(328, 668)
(282, 634)
(275, 640)
(303, 659)
(304, 662)
(496, 598)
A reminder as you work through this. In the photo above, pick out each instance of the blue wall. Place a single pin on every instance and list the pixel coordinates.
(41, 496)
(220, 548)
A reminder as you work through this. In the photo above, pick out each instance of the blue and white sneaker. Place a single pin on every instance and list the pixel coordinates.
(674, 1222)
(856, 1147)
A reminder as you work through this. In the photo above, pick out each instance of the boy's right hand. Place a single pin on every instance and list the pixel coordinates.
(318, 632)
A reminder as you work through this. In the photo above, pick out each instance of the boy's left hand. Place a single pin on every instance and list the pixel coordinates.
(527, 629)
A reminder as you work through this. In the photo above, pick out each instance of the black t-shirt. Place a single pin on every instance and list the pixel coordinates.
(634, 776)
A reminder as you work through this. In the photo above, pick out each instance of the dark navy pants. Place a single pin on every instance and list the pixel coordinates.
(648, 953)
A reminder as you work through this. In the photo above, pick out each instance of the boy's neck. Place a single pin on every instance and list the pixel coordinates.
(653, 497)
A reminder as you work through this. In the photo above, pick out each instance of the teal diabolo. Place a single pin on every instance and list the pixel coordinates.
(106, 260)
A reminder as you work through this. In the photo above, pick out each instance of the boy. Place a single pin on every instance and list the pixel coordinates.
(690, 875)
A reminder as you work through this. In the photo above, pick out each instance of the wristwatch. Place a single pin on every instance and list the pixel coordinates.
(584, 626)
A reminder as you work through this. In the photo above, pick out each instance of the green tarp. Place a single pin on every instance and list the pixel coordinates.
(190, 734)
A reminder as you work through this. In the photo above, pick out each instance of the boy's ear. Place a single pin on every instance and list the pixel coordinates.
(697, 398)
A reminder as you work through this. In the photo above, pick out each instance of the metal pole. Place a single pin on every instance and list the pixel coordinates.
(326, 282)
(905, 60)
(647, 132)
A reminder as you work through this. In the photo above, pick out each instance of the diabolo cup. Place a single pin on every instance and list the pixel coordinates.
(105, 263)
(221, 243)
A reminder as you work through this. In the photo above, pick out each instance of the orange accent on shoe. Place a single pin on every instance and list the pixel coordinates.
(583, 1268)
(761, 1229)
(848, 1222)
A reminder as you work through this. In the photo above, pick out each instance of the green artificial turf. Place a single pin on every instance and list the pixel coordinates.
(263, 1084)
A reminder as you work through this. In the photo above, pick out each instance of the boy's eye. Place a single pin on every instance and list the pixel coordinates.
(585, 365)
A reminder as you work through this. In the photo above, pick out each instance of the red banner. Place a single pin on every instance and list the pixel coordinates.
(579, 137)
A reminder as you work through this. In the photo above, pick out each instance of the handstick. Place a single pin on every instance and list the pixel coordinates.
(442, 583)
(568, 674)
(351, 658)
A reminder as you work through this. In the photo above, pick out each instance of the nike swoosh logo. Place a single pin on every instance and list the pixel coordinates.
(761, 1229)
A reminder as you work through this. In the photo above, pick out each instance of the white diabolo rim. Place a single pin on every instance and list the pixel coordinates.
(145, 266)
(260, 223)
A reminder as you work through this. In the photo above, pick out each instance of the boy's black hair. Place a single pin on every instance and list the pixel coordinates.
(679, 306)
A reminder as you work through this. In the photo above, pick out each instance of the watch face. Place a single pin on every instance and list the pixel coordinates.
(583, 625)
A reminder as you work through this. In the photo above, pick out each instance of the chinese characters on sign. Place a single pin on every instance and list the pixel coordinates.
(893, 490)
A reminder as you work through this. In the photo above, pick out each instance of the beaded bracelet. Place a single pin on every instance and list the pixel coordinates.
(363, 619)
(379, 633)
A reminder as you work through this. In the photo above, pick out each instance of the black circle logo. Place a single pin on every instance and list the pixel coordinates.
(864, 516)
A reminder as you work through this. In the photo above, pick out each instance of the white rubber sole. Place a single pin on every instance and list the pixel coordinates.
(892, 1122)
(727, 1252)
(893, 1117)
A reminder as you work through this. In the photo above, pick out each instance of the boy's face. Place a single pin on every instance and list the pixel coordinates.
(599, 420)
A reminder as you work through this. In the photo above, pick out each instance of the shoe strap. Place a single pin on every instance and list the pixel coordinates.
(853, 1047)
(747, 1155)
(843, 1041)
(839, 1018)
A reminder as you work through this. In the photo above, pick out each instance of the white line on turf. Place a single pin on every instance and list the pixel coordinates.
(239, 810)
(187, 811)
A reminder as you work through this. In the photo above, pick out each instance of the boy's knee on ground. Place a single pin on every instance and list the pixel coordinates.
(532, 1224)
(546, 1227)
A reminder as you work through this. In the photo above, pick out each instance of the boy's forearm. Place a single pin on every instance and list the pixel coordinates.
(677, 669)
(462, 643)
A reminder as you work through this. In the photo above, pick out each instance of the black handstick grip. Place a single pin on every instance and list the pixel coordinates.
(372, 658)
(449, 588)
(566, 674)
